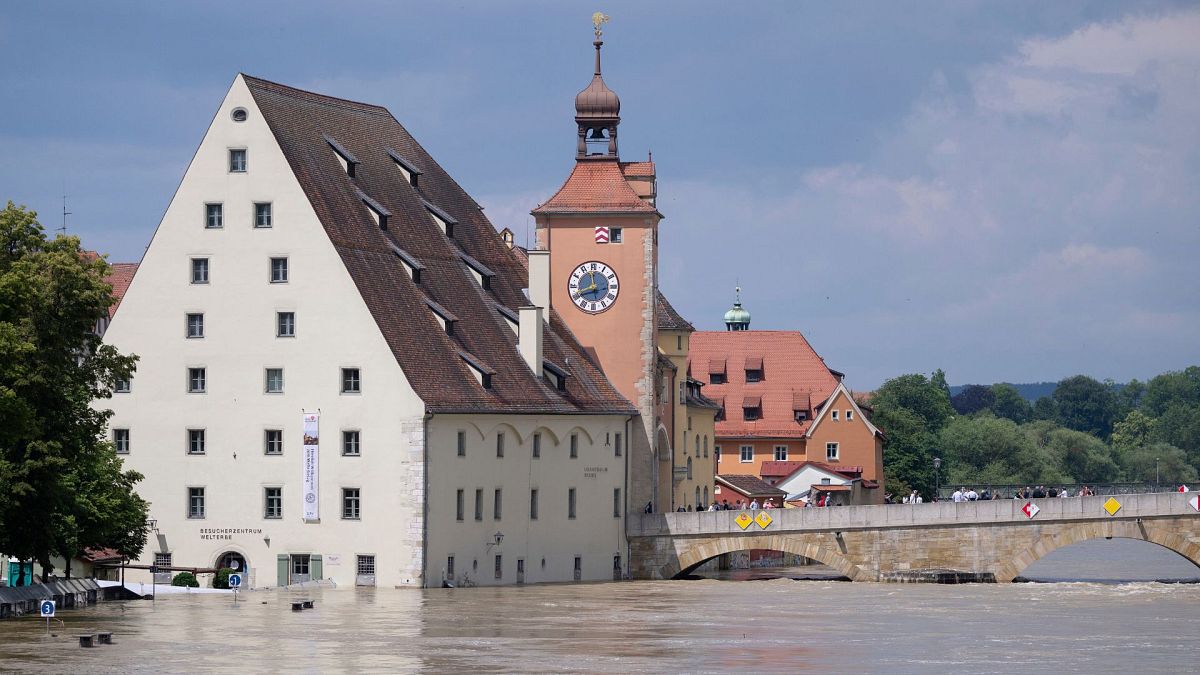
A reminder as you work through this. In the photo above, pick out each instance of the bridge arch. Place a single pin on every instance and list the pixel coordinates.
(694, 554)
(1121, 529)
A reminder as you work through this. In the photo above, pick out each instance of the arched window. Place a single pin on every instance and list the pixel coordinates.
(697, 445)
(698, 502)
(689, 474)
(228, 559)
(706, 446)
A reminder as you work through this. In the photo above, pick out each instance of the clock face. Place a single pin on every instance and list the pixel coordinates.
(593, 287)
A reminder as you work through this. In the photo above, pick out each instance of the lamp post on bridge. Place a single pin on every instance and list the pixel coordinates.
(1157, 482)
(937, 483)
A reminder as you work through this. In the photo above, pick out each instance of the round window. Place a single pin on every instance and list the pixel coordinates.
(238, 115)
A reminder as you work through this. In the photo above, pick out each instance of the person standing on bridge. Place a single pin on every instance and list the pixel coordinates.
(958, 495)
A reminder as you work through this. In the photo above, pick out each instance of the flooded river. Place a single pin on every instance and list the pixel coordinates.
(716, 626)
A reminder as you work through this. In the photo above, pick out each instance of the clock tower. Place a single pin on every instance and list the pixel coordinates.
(601, 233)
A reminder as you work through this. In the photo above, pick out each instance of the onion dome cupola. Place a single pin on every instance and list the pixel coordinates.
(597, 110)
(737, 318)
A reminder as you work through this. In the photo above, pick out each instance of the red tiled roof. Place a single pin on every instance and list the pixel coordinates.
(791, 368)
(432, 360)
(638, 168)
(120, 275)
(596, 186)
(783, 469)
(750, 486)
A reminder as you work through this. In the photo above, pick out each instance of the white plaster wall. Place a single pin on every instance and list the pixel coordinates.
(334, 330)
(594, 534)
(808, 477)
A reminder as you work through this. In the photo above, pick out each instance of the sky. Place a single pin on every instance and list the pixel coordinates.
(1009, 191)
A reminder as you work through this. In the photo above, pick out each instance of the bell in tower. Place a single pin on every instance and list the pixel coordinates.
(597, 111)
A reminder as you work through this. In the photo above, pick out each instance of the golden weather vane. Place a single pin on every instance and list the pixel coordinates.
(598, 20)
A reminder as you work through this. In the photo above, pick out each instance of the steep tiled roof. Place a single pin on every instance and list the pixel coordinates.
(750, 486)
(641, 169)
(782, 469)
(668, 318)
(433, 362)
(119, 277)
(790, 368)
(596, 186)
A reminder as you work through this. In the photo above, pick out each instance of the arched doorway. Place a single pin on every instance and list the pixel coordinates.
(233, 560)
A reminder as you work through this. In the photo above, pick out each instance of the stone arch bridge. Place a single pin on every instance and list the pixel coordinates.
(995, 540)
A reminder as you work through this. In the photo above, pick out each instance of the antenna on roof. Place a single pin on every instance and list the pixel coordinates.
(65, 212)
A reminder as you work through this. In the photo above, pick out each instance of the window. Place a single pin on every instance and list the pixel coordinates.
(462, 444)
(238, 115)
(351, 504)
(678, 343)
(199, 270)
(616, 502)
(237, 161)
(752, 413)
(801, 415)
(537, 445)
(197, 381)
(571, 503)
(273, 442)
(831, 451)
(716, 378)
(849, 415)
(459, 505)
(351, 381)
(754, 374)
(285, 324)
(533, 504)
(720, 416)
(697, 452)
(214, 216)
(279, 270)
(196, 442)
(262, 214)
(500, 444)
(300, 565)
(195, 502)
(574, 446)
(833, 414)
(717, 453)
(499, 566)
(497, 503)
(616, 235)
(195, 325)
(747, 454)
(617, 446)
(706, 446)
(478, 504)
(274, 381)
(272, 503)
(121, 441)
(689, 468)
(689, 418)
(351, 443)
(450, 566)
(365, 565)
(781, 453)
(578, 567)
(162, 560)
(123, 385)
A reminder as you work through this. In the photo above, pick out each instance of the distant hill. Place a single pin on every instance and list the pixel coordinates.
(1030, 391)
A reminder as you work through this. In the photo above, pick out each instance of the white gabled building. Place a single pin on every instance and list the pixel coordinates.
(315, 260)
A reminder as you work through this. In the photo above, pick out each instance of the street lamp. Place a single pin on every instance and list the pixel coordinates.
(937, 482)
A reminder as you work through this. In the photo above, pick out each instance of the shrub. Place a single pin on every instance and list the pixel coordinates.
(221, 580)
(185, 579)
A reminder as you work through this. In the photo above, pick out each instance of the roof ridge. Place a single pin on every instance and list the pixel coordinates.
(315, 97)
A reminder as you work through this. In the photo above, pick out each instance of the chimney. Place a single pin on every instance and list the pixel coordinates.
(529, 337)
(539, 279)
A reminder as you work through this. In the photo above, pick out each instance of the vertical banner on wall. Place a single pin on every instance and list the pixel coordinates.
(311, 474)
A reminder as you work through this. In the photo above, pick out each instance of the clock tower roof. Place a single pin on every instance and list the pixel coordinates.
(595, 187)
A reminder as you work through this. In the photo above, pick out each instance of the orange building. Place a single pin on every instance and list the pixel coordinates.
(779, 402)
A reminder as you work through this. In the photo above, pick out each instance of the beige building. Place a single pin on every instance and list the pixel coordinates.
(341, 375)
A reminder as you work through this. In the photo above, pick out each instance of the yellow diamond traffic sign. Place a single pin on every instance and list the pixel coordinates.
(763, 519)
(1112, 506)
(743, 520)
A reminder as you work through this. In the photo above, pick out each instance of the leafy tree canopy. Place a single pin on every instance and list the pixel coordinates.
(1008, 403)
(1086, 405)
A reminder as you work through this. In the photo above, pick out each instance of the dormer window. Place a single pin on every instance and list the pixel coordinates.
(754, 369)
(481, 272)
(405, 167)
(801, 415)
(443, 315)
(377, 210)
(483, 374)
(510, 317)
(800, 406)
(752, 408)
(716, 371)
(411, 264)
(443, 220)
(557, 376)
(348, 160)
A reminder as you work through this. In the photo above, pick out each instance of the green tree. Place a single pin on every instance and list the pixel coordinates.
(1170, 388)
(1045, 409)
(985, 449)
(910, 409)
(1083, 457)
(972, 399)
(1160, 462)
(1086, 405)
(1008, 403)
(62, 487)
(1179, 425)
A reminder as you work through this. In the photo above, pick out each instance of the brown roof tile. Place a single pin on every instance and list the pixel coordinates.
(640, 169)
(668, 318)
(431, 359)
(120, 275)
(596, 186)
(750, 486)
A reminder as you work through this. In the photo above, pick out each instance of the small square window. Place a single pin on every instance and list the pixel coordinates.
(849, 415)
(747, 455)
(752, 413)
(716, 378)
(462, 444)
(274, 381)
(199, 270)
(351, 381)
(121, 441)
(351, 504)
(196, 442)
(616, 235)
(364, 565)
(195, 325)
(197, 381)
(279, 270)
(214, 216)
(262, 215)
(273, 442)
(831, 451)
(833, 414)
(123, 386)
(272, 503)
(195, 502)
(574, 446)
(285, 324)
(351, 443)
(781, 453)
(754, 375)
(237, 161)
